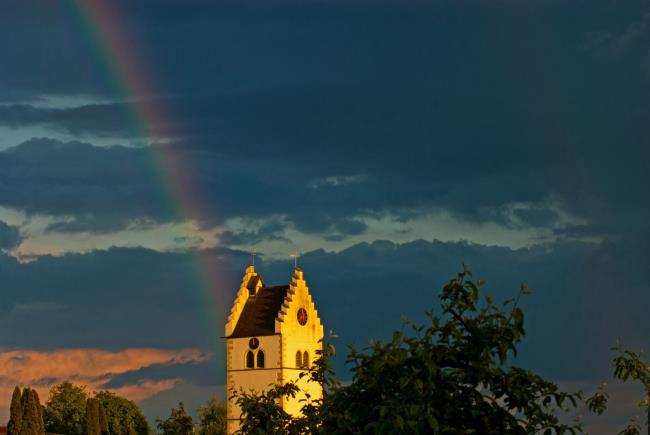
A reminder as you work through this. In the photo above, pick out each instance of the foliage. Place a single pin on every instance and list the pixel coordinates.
(123, 416)
(15, 413)
(178, 423)
(32, 421)
(92, 417)
(38, 408)
(598, 402)
(71, 411)
(262, 413)
(103, 420)
(26, 413)
(450, 376)
(96, 423)
(66, 409)
(632, 365)
(212, 417)
(627, 365)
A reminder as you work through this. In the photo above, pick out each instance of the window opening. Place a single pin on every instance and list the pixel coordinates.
(260, 359)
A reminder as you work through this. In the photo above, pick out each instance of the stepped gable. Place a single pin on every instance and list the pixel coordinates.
(260, 312)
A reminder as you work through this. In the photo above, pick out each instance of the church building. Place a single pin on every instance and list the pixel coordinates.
(272, 335)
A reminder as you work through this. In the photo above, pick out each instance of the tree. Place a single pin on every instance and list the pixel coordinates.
(103, 420)
(122, 415)
(452, 375)
(65, 410)
(14, 426)
(212, 417)
(32, 422)
(263, 414)
(93, 427)
(627, 365)
(632, 365)
(36, 403)
(178, 423)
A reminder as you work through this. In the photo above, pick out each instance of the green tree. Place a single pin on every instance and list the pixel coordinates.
(178, 423)
(65, 410)
(32, 423)
(103, 420)
(15, 414)
(627, 365)
(212, 417)
(93, 427)
(263, 414)
(451, 375)
(123, 416)
(36, 403)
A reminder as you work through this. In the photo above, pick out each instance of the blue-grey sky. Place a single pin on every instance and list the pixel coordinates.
(388, 141)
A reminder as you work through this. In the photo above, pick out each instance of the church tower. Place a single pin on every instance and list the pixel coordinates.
(272, 335)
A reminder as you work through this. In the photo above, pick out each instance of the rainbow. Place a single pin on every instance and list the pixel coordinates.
(128, 76)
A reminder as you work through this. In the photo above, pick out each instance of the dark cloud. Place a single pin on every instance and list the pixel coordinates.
(270, 230)
(585, 295)
(113, 299)
(98, 119)
(100, 189)
(198, 373)
(139, 298)
(324, 113)
(454, 109)
(10, 236)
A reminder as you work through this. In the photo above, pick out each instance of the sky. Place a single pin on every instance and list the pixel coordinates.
(146, 148)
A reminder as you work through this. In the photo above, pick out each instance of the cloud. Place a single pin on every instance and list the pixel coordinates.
(94, 368)
(133, 297)
(88, 188)
(99, 298)
(407, 125)
(10, 236)
(99, 119)
(126, 298)
(271, 229)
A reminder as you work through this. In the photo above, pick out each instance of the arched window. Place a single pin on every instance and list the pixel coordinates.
(305, 360)
(298, 359)
(250, 360)
(260, 359)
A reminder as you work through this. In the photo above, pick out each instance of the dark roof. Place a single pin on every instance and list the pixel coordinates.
(260, 311)
(252, 283)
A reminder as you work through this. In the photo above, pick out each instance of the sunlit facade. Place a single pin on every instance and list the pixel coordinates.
(272, 335)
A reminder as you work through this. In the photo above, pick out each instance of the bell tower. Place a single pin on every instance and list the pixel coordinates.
(272, 335)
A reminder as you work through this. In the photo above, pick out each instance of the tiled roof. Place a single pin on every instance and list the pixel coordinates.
(259, 313)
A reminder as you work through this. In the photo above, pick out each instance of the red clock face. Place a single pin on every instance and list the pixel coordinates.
(302, 316)
(253, 343)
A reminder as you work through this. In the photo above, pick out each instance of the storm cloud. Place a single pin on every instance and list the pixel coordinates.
(286, 120)
(9, 236)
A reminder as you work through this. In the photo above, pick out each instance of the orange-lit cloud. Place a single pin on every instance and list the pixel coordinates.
(90, 367)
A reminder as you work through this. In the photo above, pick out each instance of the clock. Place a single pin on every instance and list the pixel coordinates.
(302, 316)
(253, 343)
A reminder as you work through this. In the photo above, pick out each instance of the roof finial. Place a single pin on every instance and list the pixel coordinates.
(295, 256)
(253, 254)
